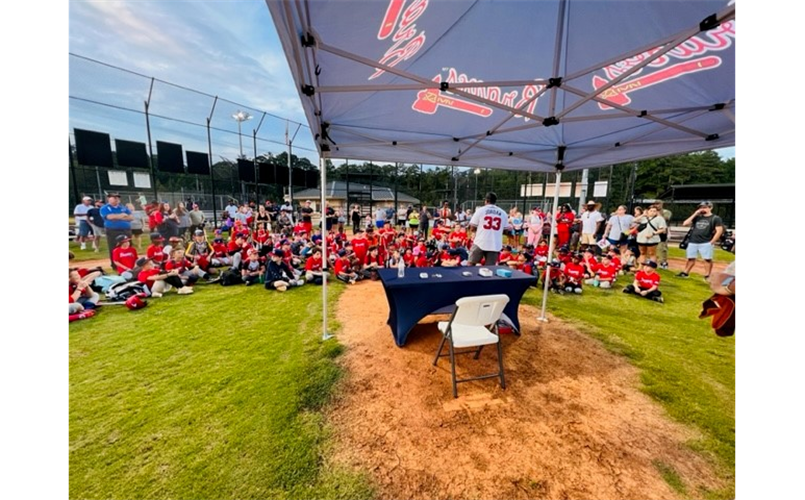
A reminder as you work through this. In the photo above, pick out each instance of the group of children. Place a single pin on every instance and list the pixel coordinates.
(279, 260)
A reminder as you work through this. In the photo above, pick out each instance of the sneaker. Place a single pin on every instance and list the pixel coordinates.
(156, 295)
(682, 275)
(185, 290)
(97, 250)
(83, 246)
(213, 279)
(660, 300)
(664, 265)
(249, 283)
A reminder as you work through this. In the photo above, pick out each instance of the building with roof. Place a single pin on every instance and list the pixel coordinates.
(368, 196)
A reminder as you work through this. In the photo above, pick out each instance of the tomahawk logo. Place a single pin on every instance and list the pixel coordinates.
(399, 24)
(693, 54)
(428, 101)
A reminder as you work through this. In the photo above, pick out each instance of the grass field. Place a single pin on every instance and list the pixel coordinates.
(219, 394)
(683, 364)
(212, 395)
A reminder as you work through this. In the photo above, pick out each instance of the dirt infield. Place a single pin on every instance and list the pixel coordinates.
(571, 423)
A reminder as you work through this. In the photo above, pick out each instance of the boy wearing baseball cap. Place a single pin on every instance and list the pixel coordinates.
(278, 275)
(158, 282)
(124, 257)
(646, 283)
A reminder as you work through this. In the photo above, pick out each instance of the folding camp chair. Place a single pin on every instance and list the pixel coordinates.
(469, 326)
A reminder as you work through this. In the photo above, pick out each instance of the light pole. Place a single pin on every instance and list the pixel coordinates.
(240, 117)
(477, 172)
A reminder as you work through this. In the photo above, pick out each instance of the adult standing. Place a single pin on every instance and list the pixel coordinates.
(648, 237)
(535, 223)
(706, 229)
(591, 221)
(662, 246)
(82, 223)
(489, 222)
(424, 221)
(116, 221)
(96, 222)
(445, 214)
(356, 218)
(196, 218)
(330, 218)
(564, 219)
(380, 217)
(617, 229)
(184, 220)
(307, 217)
(263, 218)
(231, 208)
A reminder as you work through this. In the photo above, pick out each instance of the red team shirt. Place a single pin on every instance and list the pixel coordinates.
(646, 281)
(605, 273)
(155, 252)
(360, 247)
(575, 272)
(125, 256)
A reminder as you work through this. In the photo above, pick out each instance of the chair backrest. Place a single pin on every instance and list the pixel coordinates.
(481, 310)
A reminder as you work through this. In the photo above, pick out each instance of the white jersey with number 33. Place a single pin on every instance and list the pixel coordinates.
(490, 222)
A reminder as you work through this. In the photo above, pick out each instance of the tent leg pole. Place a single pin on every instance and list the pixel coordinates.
(325, 262)
(551, 242)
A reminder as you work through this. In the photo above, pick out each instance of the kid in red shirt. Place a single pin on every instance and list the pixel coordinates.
(124, 257)
(646, 283)
(360, 245)
(574, 274)
(603, 274)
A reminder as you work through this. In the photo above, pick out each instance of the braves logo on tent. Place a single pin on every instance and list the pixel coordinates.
(406, 31)
(428, 101)
(690, 52)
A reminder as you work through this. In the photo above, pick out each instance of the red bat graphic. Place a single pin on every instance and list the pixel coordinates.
(618, 94)
(430, 99)
(390, 20)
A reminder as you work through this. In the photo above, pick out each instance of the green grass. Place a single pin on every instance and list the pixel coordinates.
(90, 254)
(683, 364)
(720, 255)
(213, 395)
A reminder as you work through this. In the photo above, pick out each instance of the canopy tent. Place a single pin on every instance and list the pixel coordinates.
(546, 85)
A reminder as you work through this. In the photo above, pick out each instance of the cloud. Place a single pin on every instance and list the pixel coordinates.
(227, 49)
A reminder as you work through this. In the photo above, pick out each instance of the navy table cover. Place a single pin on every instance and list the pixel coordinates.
(411, 298)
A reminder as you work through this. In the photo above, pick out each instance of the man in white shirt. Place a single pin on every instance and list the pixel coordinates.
(380, 217)
(489, 222)
(80, 215)
(590, 223)
(232, 209)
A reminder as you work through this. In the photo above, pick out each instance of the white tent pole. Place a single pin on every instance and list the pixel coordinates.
(325, 262)
(550, 244)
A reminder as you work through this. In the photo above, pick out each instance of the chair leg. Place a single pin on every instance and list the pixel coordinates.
(478, 352)
(453, 369)
(439, 352)
(500, 362)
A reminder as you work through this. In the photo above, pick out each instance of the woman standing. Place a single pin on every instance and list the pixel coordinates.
(564, 219)
(356, 218)
(649, 227)
(183, 217)
(534, 223)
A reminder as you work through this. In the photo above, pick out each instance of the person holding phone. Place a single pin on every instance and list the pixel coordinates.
(706, 229)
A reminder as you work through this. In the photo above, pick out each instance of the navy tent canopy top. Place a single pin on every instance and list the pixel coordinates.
(519, 85)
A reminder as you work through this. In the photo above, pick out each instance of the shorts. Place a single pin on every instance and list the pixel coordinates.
(703, 249)
(83, 228)
(380, 223)
(588, 239)
(490, 258)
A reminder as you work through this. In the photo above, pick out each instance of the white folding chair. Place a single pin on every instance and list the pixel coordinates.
(473, 324)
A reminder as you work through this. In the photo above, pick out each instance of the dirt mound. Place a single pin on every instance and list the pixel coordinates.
(570, 424)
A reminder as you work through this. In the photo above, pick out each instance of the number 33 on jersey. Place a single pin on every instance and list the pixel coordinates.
(490, 222)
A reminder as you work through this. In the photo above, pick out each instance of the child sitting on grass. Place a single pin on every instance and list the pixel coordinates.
(647, 283)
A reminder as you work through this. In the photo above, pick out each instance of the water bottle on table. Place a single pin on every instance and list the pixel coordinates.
(401, 268)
